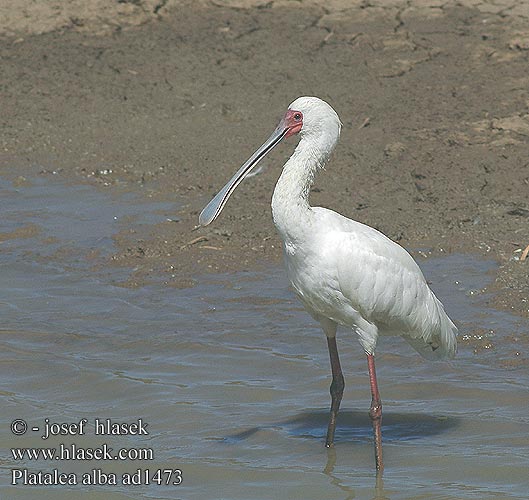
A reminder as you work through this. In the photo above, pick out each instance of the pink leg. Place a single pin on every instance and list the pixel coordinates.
(375, 412)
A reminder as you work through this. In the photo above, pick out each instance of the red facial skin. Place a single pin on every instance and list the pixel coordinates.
(293, 121)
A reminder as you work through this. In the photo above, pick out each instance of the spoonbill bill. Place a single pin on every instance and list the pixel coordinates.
(344, 272)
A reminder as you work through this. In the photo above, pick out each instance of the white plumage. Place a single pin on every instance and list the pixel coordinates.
(344, 272)
(355, 276)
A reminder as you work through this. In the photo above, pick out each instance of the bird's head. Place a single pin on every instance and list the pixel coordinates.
(313, 119)
(310, 116)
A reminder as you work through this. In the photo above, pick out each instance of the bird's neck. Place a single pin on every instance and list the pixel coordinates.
(290, 202)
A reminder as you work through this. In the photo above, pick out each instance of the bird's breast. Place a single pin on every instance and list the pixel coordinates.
(315, 282)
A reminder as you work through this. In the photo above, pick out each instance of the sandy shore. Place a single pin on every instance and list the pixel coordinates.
(168, 98)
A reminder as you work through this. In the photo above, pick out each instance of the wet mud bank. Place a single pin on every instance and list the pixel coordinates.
(434, 101)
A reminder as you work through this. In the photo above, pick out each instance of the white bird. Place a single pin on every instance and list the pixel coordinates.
(344, 272)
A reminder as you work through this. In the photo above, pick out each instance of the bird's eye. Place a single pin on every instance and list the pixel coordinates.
(297, 116)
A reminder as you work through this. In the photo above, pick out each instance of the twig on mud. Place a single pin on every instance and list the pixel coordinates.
(327, 37)
(365, 123)
(194, 242)
(524, 254)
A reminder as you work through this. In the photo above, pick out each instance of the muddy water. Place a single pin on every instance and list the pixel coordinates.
(232, 376)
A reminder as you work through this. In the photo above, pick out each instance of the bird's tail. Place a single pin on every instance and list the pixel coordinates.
(439, 341)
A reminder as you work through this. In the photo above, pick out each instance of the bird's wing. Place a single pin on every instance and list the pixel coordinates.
(386, 286)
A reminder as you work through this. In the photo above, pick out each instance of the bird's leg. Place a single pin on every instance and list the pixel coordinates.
(337, 387)
(375, 412)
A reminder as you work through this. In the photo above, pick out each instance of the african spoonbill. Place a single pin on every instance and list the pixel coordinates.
(344, 272)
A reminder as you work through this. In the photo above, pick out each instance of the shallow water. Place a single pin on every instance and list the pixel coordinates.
(232, 375)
